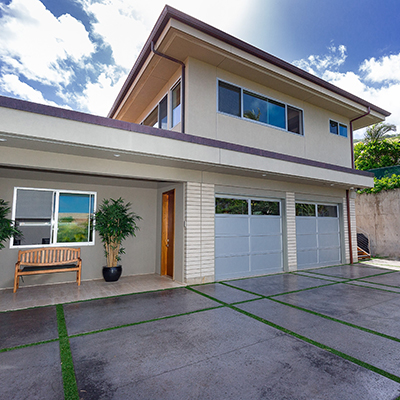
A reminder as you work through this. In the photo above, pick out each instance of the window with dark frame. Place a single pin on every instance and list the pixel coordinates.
(337, 129)
(258, 108)
(176, 105)
(229, 99)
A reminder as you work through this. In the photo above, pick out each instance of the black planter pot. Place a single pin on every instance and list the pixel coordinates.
(112, 274)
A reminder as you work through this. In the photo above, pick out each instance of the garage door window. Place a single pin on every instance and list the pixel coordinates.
(305, 210)
(260, 207)
(231, 206)
(327, 211)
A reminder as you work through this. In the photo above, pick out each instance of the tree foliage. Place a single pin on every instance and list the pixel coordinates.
(115, 222)
(7, 227)
(376, 154)
(376, 132)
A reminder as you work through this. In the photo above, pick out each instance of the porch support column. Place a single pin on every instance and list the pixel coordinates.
(353, 222)
(291, 244)
(199, 233)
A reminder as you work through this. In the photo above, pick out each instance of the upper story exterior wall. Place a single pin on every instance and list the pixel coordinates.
(204, 119)
(209, 55)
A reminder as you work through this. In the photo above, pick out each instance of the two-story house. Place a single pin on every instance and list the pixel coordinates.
(239, 163)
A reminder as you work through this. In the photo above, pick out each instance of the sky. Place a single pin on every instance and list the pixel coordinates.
(76, 54)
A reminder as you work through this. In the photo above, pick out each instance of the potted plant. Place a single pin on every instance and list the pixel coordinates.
(115, 222)
(7, 226)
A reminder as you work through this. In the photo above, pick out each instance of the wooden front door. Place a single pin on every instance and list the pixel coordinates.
(168, 233)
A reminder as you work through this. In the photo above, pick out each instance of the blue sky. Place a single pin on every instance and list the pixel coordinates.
(77, 53)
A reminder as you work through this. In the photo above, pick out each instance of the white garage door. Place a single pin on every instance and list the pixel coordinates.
(318, 235)
(248, 237)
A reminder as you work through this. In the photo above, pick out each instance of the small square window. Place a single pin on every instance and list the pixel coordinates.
(343, 130)
(334, 127)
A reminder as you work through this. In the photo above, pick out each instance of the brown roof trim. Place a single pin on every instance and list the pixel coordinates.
(22, 105)
(170, 12)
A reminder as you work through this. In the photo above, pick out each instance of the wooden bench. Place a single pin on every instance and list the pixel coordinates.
(46, 261)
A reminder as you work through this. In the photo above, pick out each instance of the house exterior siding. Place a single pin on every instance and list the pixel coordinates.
(217, 154)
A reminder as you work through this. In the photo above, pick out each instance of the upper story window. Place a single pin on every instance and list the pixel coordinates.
(50, 217)
(159, 117)
(176, 105)
(242, 103)
(337, 129)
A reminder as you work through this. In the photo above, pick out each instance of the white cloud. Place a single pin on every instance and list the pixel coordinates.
(98, 97)
(317, 64)
(377, 81)
(11, 84)
(34, 42)
(126, 25)
(385, 69)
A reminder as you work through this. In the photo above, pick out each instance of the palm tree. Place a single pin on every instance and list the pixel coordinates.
(376, 132)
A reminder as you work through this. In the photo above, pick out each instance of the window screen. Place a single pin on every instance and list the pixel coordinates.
(229, 99)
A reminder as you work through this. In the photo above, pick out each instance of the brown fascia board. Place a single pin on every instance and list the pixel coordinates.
(22, 105)
(170, 12)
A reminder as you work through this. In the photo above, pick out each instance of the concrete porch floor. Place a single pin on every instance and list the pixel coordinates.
(44, 295)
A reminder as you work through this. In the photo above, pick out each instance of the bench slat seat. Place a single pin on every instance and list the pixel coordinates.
(46, 261)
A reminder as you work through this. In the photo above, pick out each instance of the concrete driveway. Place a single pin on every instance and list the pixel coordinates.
(328, 333)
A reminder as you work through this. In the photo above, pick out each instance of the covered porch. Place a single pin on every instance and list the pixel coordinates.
(56, 293)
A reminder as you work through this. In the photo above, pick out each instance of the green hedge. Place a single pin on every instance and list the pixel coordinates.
(385, 183)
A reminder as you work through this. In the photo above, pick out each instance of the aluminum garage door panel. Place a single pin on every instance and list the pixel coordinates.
(248, 237)
(318, 235)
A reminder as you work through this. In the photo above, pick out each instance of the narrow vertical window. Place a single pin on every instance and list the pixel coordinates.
(276, 114)
(163, 114)
(343, 130)
(176, 105)
(294, 120)
(229, 99)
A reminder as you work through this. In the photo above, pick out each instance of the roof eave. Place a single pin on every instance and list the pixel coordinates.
(170, 12)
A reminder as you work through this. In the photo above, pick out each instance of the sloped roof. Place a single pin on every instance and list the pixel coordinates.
(171, 13)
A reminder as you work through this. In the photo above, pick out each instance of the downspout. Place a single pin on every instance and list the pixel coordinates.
(182, 81)
(347, 191)
(349, 226)
(351, 134)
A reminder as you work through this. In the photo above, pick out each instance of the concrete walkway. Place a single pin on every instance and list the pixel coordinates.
(328, 333)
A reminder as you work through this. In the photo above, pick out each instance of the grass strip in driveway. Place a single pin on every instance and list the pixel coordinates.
(278, 294)
(143, 322)
(321, 346)
(311, 341)
(67, 365)
(336, 320)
